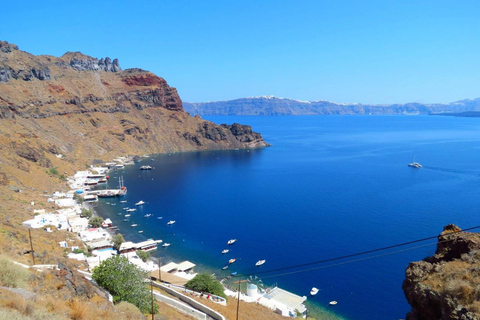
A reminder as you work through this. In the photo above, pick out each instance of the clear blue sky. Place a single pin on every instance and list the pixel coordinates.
(344, 51)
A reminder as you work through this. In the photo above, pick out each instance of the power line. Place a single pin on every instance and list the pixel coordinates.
(350, 255)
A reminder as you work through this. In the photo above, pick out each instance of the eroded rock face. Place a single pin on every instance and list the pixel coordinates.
(446, 285)
(92, 64)
(85, 108)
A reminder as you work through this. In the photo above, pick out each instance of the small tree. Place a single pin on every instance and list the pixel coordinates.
(143, 255)
(86, 213)
(205, 282)
(117, 241)
(96, 222)
(125, 282)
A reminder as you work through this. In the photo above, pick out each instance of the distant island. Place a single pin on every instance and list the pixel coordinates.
(275, 106)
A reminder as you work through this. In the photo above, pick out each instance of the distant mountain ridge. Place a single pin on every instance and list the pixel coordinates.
(275, 106)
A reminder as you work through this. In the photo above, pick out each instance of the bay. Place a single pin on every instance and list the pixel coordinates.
(328, 186)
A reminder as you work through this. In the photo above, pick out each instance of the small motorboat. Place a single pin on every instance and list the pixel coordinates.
(159, 218)
(133, 225)
(231, 241)
(119, 213)
(332, 303)
(123, 201)
(141, 231)
(225, 268)
(127, 208)
(126, 220)
(139, 203)
(260, 262)
(225, 251)
(171, 222)
(131, 210)
(232, 260)
(234, 273)
(166, 244)
(127, 215)
(145, 168)
(314, 291)
(148, 215)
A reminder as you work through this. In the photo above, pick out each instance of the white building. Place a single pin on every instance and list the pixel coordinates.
(94, 234)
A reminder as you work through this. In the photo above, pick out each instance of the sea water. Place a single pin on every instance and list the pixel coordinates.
(328, 186)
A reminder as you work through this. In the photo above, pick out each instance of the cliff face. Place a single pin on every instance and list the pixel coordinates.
(84, 108)
(446, 285)
(272, 106)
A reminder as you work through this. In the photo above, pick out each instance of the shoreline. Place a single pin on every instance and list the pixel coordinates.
(315, 309)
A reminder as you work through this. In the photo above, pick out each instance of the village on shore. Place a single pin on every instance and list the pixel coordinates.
(99, 240)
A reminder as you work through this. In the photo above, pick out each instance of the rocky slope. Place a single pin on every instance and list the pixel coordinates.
(271, 106)
(85, 108)
(446, 285)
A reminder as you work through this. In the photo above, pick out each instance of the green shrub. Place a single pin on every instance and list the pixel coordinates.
(143, 255)
(125, 282)
(205, 282)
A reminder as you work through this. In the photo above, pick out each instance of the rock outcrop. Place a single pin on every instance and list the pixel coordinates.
(446, 285)
(86, 108)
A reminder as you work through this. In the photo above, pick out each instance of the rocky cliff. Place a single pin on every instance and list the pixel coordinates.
(61, 111)
(446, 285)
(272, 106)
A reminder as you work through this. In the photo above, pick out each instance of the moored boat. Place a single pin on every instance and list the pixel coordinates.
(260, 262)
(225, 251)
(314, 291)
(231, 241)
(171, 222)
(139, 203)
(166, 244)
(232, 260)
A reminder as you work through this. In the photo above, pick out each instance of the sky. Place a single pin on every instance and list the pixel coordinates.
(343, 51)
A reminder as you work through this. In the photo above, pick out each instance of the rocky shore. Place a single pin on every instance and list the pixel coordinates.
(447, 284)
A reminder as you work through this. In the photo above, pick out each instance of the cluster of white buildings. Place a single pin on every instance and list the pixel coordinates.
(280, 301)
(68, 218)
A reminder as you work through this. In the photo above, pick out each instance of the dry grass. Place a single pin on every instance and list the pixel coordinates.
(12, 275)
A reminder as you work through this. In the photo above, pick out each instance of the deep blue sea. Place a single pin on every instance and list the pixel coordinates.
(328, 186)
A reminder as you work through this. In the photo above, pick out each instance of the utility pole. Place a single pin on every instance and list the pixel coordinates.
(238, 298)
(31, 246)
(151, 290)
(159, 271)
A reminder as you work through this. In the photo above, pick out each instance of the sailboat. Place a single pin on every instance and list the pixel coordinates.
(414, 164)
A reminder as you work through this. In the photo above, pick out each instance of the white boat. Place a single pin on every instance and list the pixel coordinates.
(314, 291)
(127, 215)
(414, 164)
(232, 241)
(260, 262)
(225, 268)
(332, 303)
(159, 218)
(133, 225)
(225, 251)
(123, 201)
(131, 210)
(148, 215)
(171, 222)
(166, 244)
(139, 203)
(145, 168)
(141, 231)
(232, 260)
